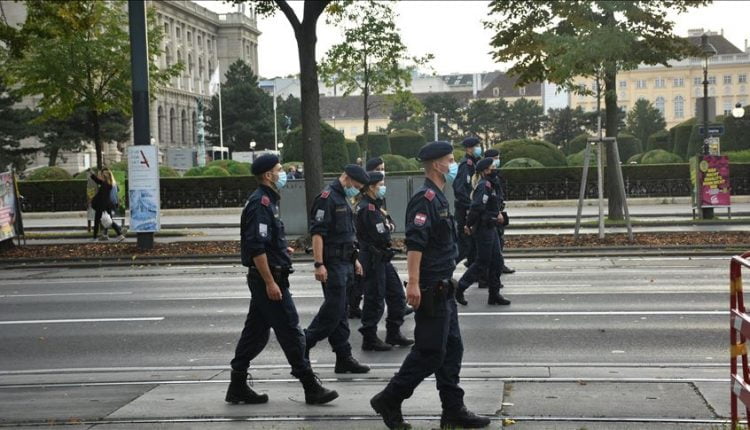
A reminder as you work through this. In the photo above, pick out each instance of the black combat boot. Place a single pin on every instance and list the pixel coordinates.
(390, 410)
(508, 270)
(395, 338)
(495, 298)
(348, 364)
(460, 299)
(371, 342)
(462, 419)
(240, 392)
(315, 392)
(355, 312)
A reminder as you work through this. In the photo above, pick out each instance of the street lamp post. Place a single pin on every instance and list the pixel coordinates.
(252, 145)
(708, 52)
(738, 111)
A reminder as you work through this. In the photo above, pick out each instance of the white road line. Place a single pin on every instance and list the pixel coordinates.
(590, 313)
(2, 296)
(81, 320)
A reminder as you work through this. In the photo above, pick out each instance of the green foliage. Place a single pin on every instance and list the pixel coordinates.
(525, 119)
(378, 144)
(695, 144)
(406, 109)
(736, 132)
(635, 159)
(14, 126)
(352, 148)
(448, 108)
(543, 152)
(289, 113)
(406, 143)
(239, 169)
(660, 156)
(460, 153)
(644, 120)
(335, 153)
(168, 172)
(53, 173)
(397, 163)
(193, 172)
(628, 145)
(577, 144)
(522, 162)
(578, 158)
(564, 125)
(681, 137)
(662, 139)
(215, 171)
(738, 156)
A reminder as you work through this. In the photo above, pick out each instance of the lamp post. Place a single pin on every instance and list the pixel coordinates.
(708, 51)
(252, 145)
(738, 111)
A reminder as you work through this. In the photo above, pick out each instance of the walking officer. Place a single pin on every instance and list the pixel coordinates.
(264, 251)
(462, 194)
(380, 281)
(335, 253)
(481, 222)
(497, 181)
(431, 260)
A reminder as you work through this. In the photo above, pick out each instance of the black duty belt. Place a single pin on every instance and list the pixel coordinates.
(434, 294)
(345, 252)
(278, 272)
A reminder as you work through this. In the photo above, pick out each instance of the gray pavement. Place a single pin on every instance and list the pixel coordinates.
(621, 343)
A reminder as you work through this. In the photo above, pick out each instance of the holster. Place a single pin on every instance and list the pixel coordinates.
(346, 252)
(279, 274)
(506, 219)
(433, 296)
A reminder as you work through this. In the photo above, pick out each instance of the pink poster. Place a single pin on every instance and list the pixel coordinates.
(714, 181)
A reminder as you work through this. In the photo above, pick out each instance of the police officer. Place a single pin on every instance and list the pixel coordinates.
(462, 194)
(380, 281)
(497, 181)
(264, 250)
(335, 254)
(431, 260)
(481, 222)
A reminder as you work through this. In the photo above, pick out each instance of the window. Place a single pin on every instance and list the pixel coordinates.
(166, 28)
(199, 41)
(189, 38)
(727, 79)
(640, 83)
(742, 79)
(177, 32)
(160, 123)
(679, 107)
(208, 43)
(623, 84)
(193, 130)
(659, 83)
(190, 64)
(728, 108)
(697, 82)
(496, 92)
(678, 82)
(183, 128)
(712, 80)
(172, 121)
(522, 91)
(168, 56)
(659, 104)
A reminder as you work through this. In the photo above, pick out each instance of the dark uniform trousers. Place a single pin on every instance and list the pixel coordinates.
(331, 321)
(466, 244)
(381, 284)
(438, 350)
(489, 263)
(266, 314)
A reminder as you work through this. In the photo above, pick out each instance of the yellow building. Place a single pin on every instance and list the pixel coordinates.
(675, 90)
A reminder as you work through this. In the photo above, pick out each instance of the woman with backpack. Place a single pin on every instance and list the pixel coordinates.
(104, 202)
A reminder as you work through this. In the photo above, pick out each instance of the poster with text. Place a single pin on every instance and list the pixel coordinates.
(7, 206)
(143, 188)
(714, 184)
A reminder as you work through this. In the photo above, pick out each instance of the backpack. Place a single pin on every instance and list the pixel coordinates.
(114, 200)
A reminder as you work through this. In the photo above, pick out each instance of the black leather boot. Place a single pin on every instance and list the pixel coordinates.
(348, 364)
(495, 298)
(240, 392)
(371, 342)
(508, 270)
(355, 312)
(463, 419)
(315, 392)
(460, 299)
(390, 411)
(395, 338)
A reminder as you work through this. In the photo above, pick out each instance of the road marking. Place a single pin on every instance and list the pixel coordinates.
(81, 320)
(63, 294)
(590, 313)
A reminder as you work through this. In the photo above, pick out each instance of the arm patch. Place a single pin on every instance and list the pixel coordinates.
(488, 185)
(325, 194)
(469, 162)
(371, 207)
(429, 195)
(265, 201)
(420, 219)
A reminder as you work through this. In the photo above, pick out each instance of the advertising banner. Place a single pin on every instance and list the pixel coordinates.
(7, 206)
(713, 172)
(143, 188)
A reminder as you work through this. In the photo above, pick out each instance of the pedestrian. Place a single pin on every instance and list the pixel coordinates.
(106, 200)
(292, 173)
(462, 192)
(499, 183)
(335, 255)
(264, 251)
(431, 260)
(481, 223)
(380, 281)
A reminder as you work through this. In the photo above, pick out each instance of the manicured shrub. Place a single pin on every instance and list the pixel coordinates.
(636, 159)
(335, 154)
(194, 171)
(738, 156)
(544, 152)
(396, 163)
(577, 144)
(353, 149)
(378, 144)
(168, 172)
(577, 158)
(406, 142)
(681, 137)
(215, 171)
(53, 173)
(239, 169)
(523, 162)
(660, 156)
(628, 145)
(660, 140)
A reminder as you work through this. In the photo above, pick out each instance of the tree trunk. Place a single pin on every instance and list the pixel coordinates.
(53, 156)
(96, 127)
(615, 203)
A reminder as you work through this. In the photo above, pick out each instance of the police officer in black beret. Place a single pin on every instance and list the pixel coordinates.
(497, 181)
(335, 254)
(264, 251)
(481, 222)
(431, 260)
(380, 281)
(375, 165)
(462, 194)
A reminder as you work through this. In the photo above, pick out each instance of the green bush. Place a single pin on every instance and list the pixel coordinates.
(120, 165)
(53, 173)
(628, 145)
(544, 152)
(397, 163)
(736, 133)
(167, 172)
(459, 154)
(406, 142)
(738, 156)
(523, 162)
(239, 169)
(660, 156)
(378, 144)
(636, 159)
(335, 154)
(660, 140)
(577, 158)
(353, 148)
(415, 164)
(695, 143)
(681, 137)
(194, 171)
(577, 144)
(215, 171)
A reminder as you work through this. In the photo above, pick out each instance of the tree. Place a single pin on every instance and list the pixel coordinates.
(644, 120)
(289, 114)
(247, 111)
(481, 119)
(563, 125)
(77, 53)
(14, 126)
(372, 58)
(405, 110)
(559, 41)
(450, 117)
(526, 119)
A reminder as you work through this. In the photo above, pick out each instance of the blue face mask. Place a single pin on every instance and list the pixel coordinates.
(477, 151)
(281, 182)
(381, 192)
(450, 175)
(496, 163)
(351, 192)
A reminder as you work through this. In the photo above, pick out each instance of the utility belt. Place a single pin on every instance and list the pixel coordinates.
(345, 252)
(434, 296)
(378, 255)
(279, 273)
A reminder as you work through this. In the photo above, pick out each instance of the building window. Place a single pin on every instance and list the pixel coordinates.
(177, 32)
(190, 65)
(168, 57)
(160, 123)
(742, 79)
(172, 124)
(166, 28)
(640, 83)
(659, 83)
(712, 80)
(189, 38)
(623, 84)
(522, 91)
(496, 92)
(199, 41)
(183, 127)
(727, 108)
(194, 130)
(659, 104)
(678, 82)
(679, 107)
(727, 79)
(697, 82)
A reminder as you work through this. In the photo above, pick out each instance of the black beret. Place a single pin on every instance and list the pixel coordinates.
(484, 164)
(470, 141)
(264, 163)
(375, 177)
(492, 153)
(372, 163)
(357, 173)
(434, 150)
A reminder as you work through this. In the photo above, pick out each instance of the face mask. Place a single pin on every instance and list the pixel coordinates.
(351, 192)
(492, 174)
(282, 180)
(477, 151)
(496, 164)
(381, 192)
(383, 172)
(450, 175)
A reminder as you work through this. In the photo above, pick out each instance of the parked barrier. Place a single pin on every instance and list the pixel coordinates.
(739, 326)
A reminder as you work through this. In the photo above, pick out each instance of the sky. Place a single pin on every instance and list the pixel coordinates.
(453, 32)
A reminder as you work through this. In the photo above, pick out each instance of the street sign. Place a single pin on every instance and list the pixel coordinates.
(713, 130)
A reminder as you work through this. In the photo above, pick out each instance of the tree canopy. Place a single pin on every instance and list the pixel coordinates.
(644, 120)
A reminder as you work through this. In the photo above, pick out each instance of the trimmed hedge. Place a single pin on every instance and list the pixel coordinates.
(660, 156)
(660, 140)
(737, 157)
(681, 137)
(352, 148)
(577, 158)
(397, 163)
(628, 145)
(522, 162)
(695, 143)
(378, 144)
(544, 152)
(335, 153)
(736, 133)
(406, 143)
(636, 159)
(53, 173)
(168, 172)
(577, 144)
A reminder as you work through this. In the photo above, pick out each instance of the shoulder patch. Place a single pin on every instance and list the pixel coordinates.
(488, 185)
(429, 195)
(325, 194)
(371, 207)
(469, 162)
(265, 201)
(420, 219)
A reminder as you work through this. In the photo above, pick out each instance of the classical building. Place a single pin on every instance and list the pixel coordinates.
(675, 90)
